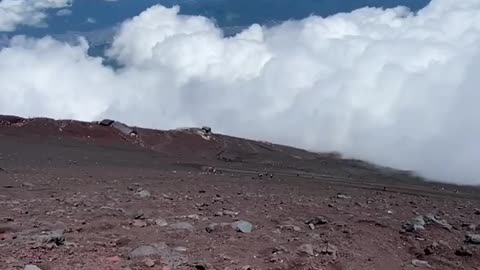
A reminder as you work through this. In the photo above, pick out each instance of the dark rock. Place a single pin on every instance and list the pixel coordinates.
(477, 211)
(207, 130)
(319, 220)
(473, 239)
(464, 252)
(53, 237)
(200, 266)
(215, 227)
(106, 122)
(124, 129)
(330, 249)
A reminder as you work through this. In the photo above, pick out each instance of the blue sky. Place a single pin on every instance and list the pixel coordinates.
(90, 15)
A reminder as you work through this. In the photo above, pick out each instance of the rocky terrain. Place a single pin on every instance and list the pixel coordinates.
(76, 195)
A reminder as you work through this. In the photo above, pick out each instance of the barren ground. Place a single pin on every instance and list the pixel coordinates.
(82, 196)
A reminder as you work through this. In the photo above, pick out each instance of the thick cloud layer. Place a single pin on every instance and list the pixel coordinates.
(388, 86)
(14, 13)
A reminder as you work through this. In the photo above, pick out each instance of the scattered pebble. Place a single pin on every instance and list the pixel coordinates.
(319, 220)
(420, 263)
(142, 193)
(343, 196)
(161, 222)
(149, 262)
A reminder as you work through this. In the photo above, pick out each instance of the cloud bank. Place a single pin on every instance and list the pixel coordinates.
(389, 86)
(14, 13)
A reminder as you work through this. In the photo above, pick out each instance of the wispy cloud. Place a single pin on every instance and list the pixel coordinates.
(14, 13)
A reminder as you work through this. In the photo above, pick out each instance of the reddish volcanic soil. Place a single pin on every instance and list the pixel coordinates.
(77, 195)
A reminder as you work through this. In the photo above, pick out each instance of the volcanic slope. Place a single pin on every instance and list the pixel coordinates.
(78, 195)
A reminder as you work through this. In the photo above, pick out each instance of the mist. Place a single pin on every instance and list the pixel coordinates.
(385, 85)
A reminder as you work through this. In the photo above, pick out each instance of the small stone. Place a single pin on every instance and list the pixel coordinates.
(139, 223)
(290, 228)
(417, 224)
(431, 219)
(477, 211)
(330, 249)
(230, 213)
(180, 249)
(343, 196)
(242, 226)
(161, 222)
(463, 252)
(428, 250)
(311, 226)
(217, 227)
(472, 227)
(53, 237)
(420, 263)
(473, 239)
(149, 262)
(184, 226)
(319, 220)
(306, 249)
(138, 216)
(31, 267)
(194, 216)
(142, 193)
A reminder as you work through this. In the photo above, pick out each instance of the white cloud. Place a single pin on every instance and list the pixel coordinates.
(385, 85)
(91, 20)
(14, 13)
(64, 12)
